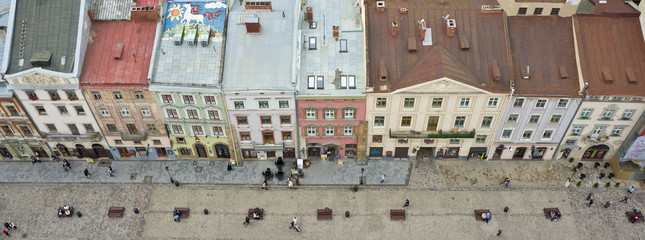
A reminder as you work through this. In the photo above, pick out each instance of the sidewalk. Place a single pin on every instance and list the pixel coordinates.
(206, 172)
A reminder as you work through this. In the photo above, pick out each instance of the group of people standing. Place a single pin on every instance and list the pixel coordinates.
(9, 226)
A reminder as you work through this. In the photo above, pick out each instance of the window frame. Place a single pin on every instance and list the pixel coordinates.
(348, 131)
(283, 117)
(192, 113)
(263, 104)
(538, 11)
(409, 102)
(177, 129)
(237, 105)
(188, 99)
(585, 113)
(172, 113)
(523, 137)
(551, 133)
(197, 130)
(510, 133)
(377, 138)
(381, 102)
(311, 113)
(245, 136)
(244, 119)
(566, 103)
(311, 131)
(404, 120)
(82, 110)
(464, 102)
(145, 112)
(490, 123)
(138, 95)
(457, 119)
(266, 117)
(517, 118)
(210, 100)
(343, 46)
(576, 130)
(125, 112)
(213, 114)
(218, 131)
(522, 11)
(543, 101)
(521, 102)
(105, 112)
(537, 121)
(167, 98)
(377, 121)
(286, 103)
(438, 100)
(330, 131)
(559, 118)
(477, 139)
(495, 101)
(117, 95)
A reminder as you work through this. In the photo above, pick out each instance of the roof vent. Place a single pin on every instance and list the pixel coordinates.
(261, 5)
(191, 35)
(380, 6)
(463, 41)
(491, 8)
(145, 13)
(178, 34)
(252, 24)
(527, 74)
(204, 32)
(564, 74)
(382, 71)
(117, 51)
(606, 75)
(631, 76)
(395, 28)
(63, 59)
(495, 72)
(41, 59)
(335, 31)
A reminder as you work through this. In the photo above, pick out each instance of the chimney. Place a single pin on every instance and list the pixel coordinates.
(403, 11)
(380, 6)
(145, 13)
(395, 28)
(443, 2)
(252, 24)
(564, 74)
(335, 31)
(90, 13)
(310, 14)
(451, 26)
(631, 76)
(422, 29)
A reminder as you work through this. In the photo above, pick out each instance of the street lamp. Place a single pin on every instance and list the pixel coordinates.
(171, 179)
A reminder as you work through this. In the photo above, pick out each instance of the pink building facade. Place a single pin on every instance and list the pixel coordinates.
(330, 127)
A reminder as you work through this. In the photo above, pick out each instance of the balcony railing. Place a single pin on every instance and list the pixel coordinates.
(134, 137)
(432, 134)
(94, 137)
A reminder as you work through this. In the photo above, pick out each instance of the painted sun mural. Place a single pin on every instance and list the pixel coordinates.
(175, 12)
(203, 19)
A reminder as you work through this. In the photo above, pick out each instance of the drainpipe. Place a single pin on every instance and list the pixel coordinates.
(297, 125)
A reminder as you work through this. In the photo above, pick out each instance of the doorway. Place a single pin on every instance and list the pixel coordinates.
(433, 122)
(268, 137)
(161, 152)
(201, 151)
(313, 152)
(222, 151)
(74, 129)
(595, 153)
(132, 129)
(270, 154)
(123, 152)
(63, 150)
(425, 153)
(350, 150)
(519, 153)
(4, 152)
(401, 152)
(376, 152)
(39, 151)
(99, 150)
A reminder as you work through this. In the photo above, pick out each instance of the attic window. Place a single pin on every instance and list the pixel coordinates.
(41, 59)
(312, 43)
(117, 51)
(606, 75)
(495, 72)
(631, 76)
(343, 45)
(564, 74)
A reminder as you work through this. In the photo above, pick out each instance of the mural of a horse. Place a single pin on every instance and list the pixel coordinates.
(188, 16)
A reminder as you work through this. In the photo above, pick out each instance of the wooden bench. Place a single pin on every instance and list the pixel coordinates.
(324, 214)
(480, 212)
(183, 212)
(634, 216)
(548, 211)
(397, 214)
(116, 212)
(252, 210)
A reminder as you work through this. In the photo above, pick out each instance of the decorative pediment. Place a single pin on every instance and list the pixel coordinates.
(39, 79)
(441, 86)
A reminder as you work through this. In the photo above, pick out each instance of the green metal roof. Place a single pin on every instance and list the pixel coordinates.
(42, 26)
(585, 7)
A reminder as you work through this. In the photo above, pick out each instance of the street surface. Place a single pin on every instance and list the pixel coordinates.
(443, 197)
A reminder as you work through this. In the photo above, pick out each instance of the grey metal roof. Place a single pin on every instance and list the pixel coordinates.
(49, 25)
(327, 57)
(264, 60)
(112, 9)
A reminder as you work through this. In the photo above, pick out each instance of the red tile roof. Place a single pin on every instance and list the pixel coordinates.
(484, 33)
(611, 48)
(545, 44)
(102, 70)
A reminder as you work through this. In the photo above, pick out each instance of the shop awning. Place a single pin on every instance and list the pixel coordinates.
(268, 148)
(478, 150)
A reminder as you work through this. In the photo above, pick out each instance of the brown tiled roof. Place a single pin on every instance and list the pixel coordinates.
(614, 8)
(611, 48)
(545, 44)
(484, 33)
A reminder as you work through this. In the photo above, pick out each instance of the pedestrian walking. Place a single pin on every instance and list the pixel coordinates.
(630, 189)
(590, 202)
(506, 181)
(66, 164)
(607, 204)
(264, 185)
(589, 196)
(246, 222)
(499, 232)
(12, 225)
(290, 184)
(229, 167)
(110, 171)
(624, 199)
(86, 173)
(383, 178)
(294, 224)
(407, 203)
(6, 225)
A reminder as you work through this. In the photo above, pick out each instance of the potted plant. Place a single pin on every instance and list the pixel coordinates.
(578, 183)
(584, 118)
(605, 118)
(607, 185)
(624, 118)
(595, 185)
(574, 169)
(33, 98)
(588, 137)
(43, 135)
(300, 173)
(574, 134)
(617, 184)
(570, 160)
(306, 163)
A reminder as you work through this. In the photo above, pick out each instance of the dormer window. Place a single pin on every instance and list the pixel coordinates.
(312, 43)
